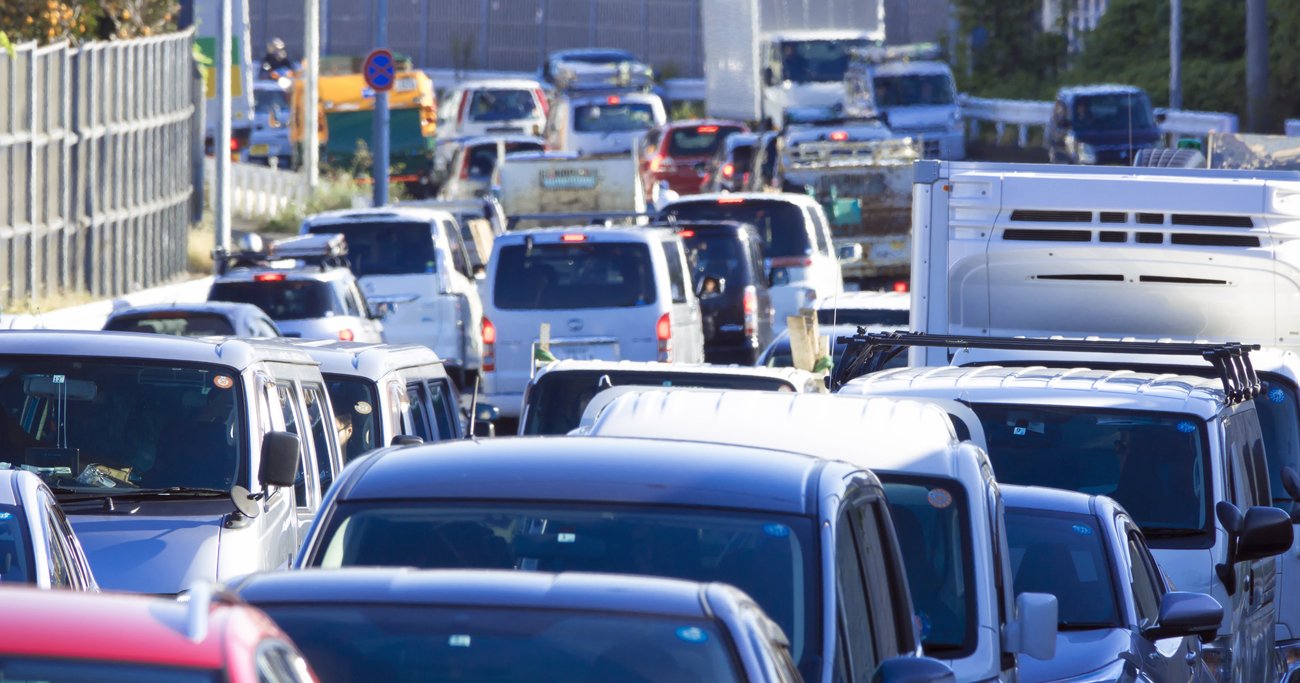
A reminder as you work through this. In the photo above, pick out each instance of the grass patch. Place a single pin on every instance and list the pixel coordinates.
(202, 238)
(52, 301)
(332, 194)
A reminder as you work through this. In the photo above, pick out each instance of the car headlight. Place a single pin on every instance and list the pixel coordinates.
(1086, 153)
(1217, 656)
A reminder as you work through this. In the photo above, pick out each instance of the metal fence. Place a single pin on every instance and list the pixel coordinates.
(95, 166)
(258, 192)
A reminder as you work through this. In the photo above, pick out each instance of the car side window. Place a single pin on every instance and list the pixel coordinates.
(459, 259)
(60, 570)
(851, 601)
(818, 229)
(345, 295)
(278, 663)
(1146, 582)
(445, 408)
(321, 423)
(1263, 494)
(676, 277)
(79, 573)
(890, 601)
(287, 398)
(419, 423)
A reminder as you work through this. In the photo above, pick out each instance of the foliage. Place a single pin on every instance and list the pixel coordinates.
(48, 21)
(1002, 50)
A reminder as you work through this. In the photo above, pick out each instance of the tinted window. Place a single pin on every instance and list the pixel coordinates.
(1146, 581)
(1064, 555)
(15, 555)
(418, 422)
(356, 413)
(281, 299)
(741, 157)
(913, 90)
(698, 141)
(851, 601)
(556, 401)
(446, 409)
(820, 61)
(676, 277)
(719, 253)
(568, 276)
(772, 557)
(64, 671)
(321, 424)
(391, 643)
(610, 118)
(1110, 452)
(287, 397)
(380, 248)
(180, 324)
(781, 225)
(502, 105)
(1120, 111)
(862, 316)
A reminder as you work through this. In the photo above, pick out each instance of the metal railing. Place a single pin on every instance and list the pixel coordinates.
(258, 192)
(1026, 115)
(95, 165)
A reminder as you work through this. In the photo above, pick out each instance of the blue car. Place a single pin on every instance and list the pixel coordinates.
(1100, 125)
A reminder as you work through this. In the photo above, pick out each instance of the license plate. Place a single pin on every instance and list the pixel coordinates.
(582, 351)
(893, 251)
(260, 150)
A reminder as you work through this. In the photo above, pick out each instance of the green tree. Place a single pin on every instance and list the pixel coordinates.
(1002, 50)
(47, 21)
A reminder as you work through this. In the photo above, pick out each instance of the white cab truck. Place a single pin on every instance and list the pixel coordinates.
(916, 96)
(535, 183)
(760, 62)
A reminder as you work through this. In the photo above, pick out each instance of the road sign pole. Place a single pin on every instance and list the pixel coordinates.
(379, 170)
(221, 146)
(311, 96)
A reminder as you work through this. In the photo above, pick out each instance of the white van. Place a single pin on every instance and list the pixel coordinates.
(414, 261)
(596, 124)
(800, 257)
(498, 106)
(943, 498)
(607, 294)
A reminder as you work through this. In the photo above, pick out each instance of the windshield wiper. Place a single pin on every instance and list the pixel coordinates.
(940, 648)
(172, 491)
(1083, 625)
(1170, 532)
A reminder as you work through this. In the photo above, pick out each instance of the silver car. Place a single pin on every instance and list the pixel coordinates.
(199, 319)
(1118, 620)
(37, 545)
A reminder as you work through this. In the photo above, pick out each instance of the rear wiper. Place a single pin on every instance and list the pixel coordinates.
(1170, 532)
(1083, 625)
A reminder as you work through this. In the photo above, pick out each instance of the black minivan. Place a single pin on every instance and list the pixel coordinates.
(726, 260)
(1100, 125)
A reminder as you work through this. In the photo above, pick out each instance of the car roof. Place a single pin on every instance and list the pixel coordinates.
(1266, 360)
(789, 197)
(592, 470)
(474, 588)
(499, 83)
(906, 68)
(107, 626)
(502, 137)
(365, 359)
(1119, 389)
(227, 308)
(410, 213)
(1099, 89)
(235, 352)
(602, 233)
(298, 273)
(738, 139)
(10, 483)
(894, 301)
(1048, 499)
(582, 98)
(590, 51)
(794, 376)
(899, 435)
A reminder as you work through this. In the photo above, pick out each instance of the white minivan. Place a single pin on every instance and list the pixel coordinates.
(413, 260)
(594, 124)
(800, 257)
(608, 293)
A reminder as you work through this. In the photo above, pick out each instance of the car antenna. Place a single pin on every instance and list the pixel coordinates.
(473, 407)
(1130, 123)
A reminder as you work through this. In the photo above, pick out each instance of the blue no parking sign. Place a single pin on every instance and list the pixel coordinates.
(379, 70)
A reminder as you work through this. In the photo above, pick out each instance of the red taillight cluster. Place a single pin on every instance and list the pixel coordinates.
(728, 170)
(664, 333)
(268, 277)
(346, 335)
(488, 331)
(751, 311)
(900, 286)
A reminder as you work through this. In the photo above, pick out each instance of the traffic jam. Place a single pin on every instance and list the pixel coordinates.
(619, 397)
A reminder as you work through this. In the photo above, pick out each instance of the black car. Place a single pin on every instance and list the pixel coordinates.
(727, 267)
(729, 169)
(1101, 124)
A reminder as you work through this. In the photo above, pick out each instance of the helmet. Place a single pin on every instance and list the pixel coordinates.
(275, 45)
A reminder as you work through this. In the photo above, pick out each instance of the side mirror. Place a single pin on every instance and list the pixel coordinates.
(1266, 531)
(1186, 614)
(406, 440)
(279, 465)
(913, 670)
(485, 417)
(1291, 483)
(1161, 117)
(710, 286)
(769, 76)
(849, 253)
(1034, 631)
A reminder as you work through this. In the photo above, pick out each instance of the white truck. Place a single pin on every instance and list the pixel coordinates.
(761, 62)
(241, 72)
(914, 91)
(554, 188)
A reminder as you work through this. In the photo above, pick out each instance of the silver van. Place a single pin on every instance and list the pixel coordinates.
(607, 294)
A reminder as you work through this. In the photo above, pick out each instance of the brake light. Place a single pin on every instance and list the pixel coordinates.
(706, 129)
(234, 144)
(728, 170)
(686, 233)
(791, 261)
(655, 164)
(346, 335)
(664, 333)
(751, 311)
(839, 136)
(464, 104)
(613, 99)
(488, 332)
(730, 200)
(464, 167)
(573, 237)
(268, 277)
(900, 286)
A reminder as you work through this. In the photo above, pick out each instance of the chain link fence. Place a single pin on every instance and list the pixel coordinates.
(96, 172)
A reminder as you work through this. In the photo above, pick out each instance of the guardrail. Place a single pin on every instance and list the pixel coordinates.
(1026, 115)
(258, 192)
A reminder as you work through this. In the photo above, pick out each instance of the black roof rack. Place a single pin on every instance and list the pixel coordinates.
(869, 352)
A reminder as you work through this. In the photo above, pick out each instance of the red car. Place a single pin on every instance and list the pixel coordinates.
(60, 636)
(678, 152)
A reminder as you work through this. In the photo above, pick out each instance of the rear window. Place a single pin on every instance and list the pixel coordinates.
(717, 254)
(862, 316)
(781, 225)
(569, 276)
(613, 118)
(178, 324)
(502, 105)
(698, 141)
(281, 299)
(742, 157)
(386, 248)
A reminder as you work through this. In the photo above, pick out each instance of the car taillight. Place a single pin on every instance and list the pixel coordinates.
(346, 335)
(464, 104)
(269, 277)
(664, 333)
(751, 310)
(543, 102)
(900, 286)
(791, 261)
(728, 170)
(234, 144)
(488, 331)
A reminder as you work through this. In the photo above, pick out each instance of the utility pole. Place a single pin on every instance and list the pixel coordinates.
(311, 96)
(379, 167)
(221, 146)
(1256, 65)
(1176, 54)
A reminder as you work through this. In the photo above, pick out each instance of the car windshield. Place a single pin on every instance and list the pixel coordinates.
(1062, 554)
(174, 323)
(24, 669)
(932, 522)
(113, 425)
(817, 61)
(770, 556)
(358, 642)
(717, 253)
(1280, 422)
(557, 399)
(502, 105)
(355, 402)
(598, 57)
(1155, 464)
(15, 552)
(862, 316)
(281, 299)
(1119, 111)
(613, 118)
(698, 141)
(574, 275)
(270, 101)
(782, 226)
(385, 247)
(913, 90)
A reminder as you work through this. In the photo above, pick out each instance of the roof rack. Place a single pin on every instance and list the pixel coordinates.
(324, 250)
(869, 352)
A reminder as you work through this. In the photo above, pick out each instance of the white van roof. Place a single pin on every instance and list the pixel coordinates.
(799, 379)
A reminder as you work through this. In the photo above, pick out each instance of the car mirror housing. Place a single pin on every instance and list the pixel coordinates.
(1266, 531)
(913, 670)
(1034, 631)
(279, 465)
(1186, 614)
